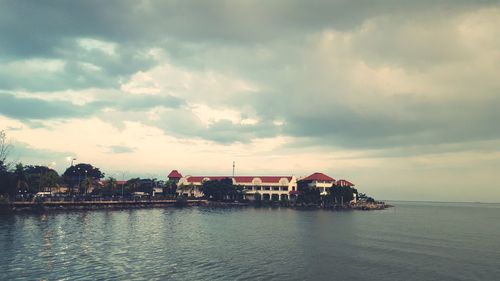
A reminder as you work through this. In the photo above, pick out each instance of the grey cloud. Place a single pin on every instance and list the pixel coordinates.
(183, 123)
(31, 108)
(38, 156)
(227, 37)
(133, 21)
(145, 102)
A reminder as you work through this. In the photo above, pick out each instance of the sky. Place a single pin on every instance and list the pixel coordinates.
(400, 97)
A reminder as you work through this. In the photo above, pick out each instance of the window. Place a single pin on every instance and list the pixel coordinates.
(276, 188)
(258, 188)
(249, 188)
(284, 188)
(267, 188)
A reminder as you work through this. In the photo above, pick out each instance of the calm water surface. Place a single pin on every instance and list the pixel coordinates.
(413, 241)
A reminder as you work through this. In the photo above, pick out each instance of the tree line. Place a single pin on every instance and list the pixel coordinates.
(17, 179)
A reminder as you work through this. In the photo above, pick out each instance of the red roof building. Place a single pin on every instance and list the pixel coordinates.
(241, 179)
(174, 175)
(344, 183)
(269, 187)
(319, 177)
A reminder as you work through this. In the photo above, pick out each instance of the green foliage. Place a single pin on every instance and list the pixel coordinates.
(139, 185)
(222, 190)
(307, 194)
(4, 152)
(170, 188)
(109, 189)
(35, 178)
(341, 194)
(74, 175)
(7, 179)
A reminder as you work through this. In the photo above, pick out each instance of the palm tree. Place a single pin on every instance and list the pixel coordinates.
(21, 178)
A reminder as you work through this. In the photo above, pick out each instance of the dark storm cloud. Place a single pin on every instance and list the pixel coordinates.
(47, 24)
(225, 36)
(27, 109)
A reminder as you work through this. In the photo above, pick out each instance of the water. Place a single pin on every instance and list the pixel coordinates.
(413, 241)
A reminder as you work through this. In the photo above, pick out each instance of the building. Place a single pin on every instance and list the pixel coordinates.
(320, 181)
(174, 176)
(273, 188)
(344, 183)
(268, 187)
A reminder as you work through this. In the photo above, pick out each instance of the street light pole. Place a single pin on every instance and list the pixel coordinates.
(88, 183)
(123, 179)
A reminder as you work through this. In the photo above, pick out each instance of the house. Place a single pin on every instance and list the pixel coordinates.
(174, 176)
(268, 187)
(272, 188)
(321, 181)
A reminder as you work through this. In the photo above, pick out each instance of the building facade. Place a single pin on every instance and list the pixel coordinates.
(267, 187)
(320, 181)
(272, 188)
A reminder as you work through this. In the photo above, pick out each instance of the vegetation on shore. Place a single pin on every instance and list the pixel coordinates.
(23, 181)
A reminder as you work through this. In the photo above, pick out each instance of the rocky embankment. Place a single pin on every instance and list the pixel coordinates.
(368, 206)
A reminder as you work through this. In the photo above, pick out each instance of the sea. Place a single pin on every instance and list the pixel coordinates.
(411, 241)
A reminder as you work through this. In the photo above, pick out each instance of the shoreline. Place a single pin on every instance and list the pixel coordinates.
(39, 207)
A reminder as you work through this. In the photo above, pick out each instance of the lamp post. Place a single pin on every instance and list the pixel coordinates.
(87, 179)
(79, 184)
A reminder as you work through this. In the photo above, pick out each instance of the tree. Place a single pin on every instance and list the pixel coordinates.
(341, 194)
(39, 177)
(170, 188)
(307, 194)
(139, 185)
(7, 179)
(222, 190)
(21, 178)
(109, 188)
(81, 173)
(5, 148)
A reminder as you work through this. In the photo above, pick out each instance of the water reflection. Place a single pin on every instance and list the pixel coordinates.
(252, 244)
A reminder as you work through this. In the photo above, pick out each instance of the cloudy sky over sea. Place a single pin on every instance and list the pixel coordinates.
(400, 97)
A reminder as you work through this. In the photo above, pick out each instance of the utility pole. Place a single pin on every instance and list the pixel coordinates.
(123, 179)
(233, 168)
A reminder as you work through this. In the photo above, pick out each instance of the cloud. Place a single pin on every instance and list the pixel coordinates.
(31, 108)
(29, 155)
(121, 149)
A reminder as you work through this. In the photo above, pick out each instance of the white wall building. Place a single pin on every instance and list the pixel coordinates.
(268, 187)
(274, 188)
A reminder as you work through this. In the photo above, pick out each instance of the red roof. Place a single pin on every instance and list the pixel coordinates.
(344, 183)
(318, 177)
(240, 179)
(174, 175)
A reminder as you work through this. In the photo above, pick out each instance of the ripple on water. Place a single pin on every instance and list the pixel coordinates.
(405, 243)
